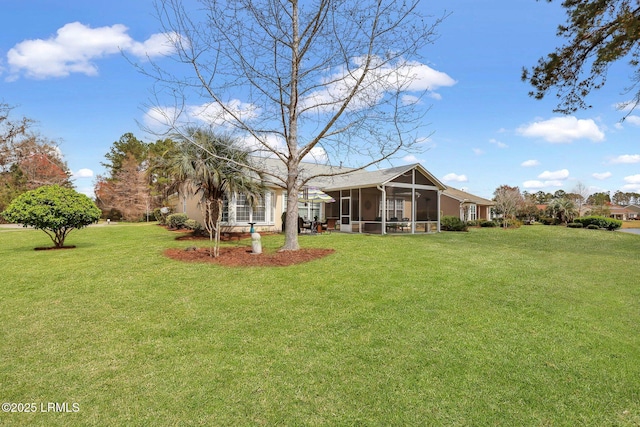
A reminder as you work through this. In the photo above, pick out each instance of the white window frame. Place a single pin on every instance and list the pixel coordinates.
(269, 207)
(398, 206)
(473, 212)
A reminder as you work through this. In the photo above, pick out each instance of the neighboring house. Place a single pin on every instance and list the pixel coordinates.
(634, 212)
(466, 206)
(624, 212)
(404, 199)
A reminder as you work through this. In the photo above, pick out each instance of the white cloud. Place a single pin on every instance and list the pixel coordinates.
(214, 114)
(633, 179)
(455, 177)
(530, 163)
(477, 151)
(83, 173)
(533, 184)
(632, 183)
(317, 155)
(410, 158)
(557, 175)
(74, 48)
(546, 179)
(498, 143)
(562, 130)
(634, 120)
(626, 158)
(410, 99)
(601, 176)
(536, 184)
(88, 191)
(406, 76)
(160, 119)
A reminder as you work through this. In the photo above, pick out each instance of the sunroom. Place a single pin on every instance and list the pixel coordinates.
(404, 199)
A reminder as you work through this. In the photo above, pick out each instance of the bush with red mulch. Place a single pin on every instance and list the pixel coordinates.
(241, 256)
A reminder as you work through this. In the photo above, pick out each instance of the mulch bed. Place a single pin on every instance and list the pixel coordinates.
(241, 256)
(49, 248)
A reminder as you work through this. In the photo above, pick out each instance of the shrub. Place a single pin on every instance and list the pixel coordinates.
(177, 220)
(510, 223)
(593, 227)
(574, 225)
(600, 222)
(160, 216)
(473, 223)
(193, 225)
(485, 223)
(53, 209)
(550, 221)
(452, 223)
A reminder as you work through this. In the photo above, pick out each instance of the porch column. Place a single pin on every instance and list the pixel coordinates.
(384, 210)
(413, 208)
(438, 227)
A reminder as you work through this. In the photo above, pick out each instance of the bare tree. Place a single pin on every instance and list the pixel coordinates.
(582, 191)
(333, 80)
(507, 201)
(127, 191)
(27, 159)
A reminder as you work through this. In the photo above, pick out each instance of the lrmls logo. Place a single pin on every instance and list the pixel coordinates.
(59, 407)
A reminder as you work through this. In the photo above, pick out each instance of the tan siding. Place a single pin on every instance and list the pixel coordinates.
(449, 206)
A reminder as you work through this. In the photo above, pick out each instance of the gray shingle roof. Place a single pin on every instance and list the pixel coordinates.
(463, 195)
(350, 178)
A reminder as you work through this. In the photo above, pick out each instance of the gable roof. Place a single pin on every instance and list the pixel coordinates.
(278, 168)
(463, 196)
(364, 178)
(349, 178)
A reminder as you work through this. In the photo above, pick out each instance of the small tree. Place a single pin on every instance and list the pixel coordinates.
(53, 209)
(563, 210)
(507, 199)
(198, 168)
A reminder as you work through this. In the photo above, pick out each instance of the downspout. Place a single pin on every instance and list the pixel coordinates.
(384, 209)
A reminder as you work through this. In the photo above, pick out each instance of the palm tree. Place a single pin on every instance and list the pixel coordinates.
(563, 209)
(209, 167)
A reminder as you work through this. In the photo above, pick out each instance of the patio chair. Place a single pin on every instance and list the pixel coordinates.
(304, 225)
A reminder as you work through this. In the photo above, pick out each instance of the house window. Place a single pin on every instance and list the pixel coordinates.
(394, 208)
(473, 215)
(243, 209)
(225, 209)
(259, 211)
(245, 213)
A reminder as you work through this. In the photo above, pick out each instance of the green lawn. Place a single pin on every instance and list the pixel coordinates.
(538, 326)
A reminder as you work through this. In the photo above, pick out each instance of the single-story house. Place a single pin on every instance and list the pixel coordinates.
(633, 211)
(403, 199)
(624, 212)
(466, 206)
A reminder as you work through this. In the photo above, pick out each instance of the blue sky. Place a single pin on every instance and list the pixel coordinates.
(62, 64)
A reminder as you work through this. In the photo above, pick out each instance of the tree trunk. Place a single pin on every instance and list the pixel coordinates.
(291, 228)
(207, 217)
(216, 248)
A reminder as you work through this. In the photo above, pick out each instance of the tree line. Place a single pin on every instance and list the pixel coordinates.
(557, 207)
(27, 159)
